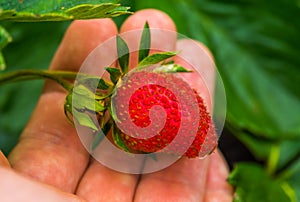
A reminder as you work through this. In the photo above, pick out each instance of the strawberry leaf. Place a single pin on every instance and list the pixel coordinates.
(145, 43)
(252, 183)
(123, 54)
(171, 68)
(115, 74)
(35, 10)
(156, 58)
(118, 139)
(5, 38)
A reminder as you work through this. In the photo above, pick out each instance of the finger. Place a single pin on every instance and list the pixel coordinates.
(217, 187)
(14, 187)
(163, 32)
(103, 184)
(49, 148)
(195, 56)
(3, 161)
(113, 185)
(182, 181)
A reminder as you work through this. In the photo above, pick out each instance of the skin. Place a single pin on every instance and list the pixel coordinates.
(49, 162)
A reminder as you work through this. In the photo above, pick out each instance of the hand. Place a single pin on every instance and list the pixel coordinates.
(52, 164)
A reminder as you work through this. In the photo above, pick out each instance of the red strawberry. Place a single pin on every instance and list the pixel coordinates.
(159, 111)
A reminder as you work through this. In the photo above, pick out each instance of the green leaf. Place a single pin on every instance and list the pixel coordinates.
(118, 139)
(252, 183)
(156, 58)
(35, 10)
(145, 42)
(84, 119)
(171, 68)
(123, 54)
(5, 38)
(290, 179)
(115, 74)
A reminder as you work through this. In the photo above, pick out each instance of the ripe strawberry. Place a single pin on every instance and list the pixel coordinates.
(159, 111)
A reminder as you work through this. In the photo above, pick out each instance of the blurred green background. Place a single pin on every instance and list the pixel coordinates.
(256, 45)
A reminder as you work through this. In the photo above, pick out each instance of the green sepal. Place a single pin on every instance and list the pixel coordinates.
(171, 68)
(68, 108)
(123, 54)
(112, 110)
(84, 120)
(85, 99)
(95, 82)
(114, 73)
(97, 140)
(152, 156)
(103, 84)
(145, 43)
(118, 139)
(101, 134)
(77, 106)
(156, 58)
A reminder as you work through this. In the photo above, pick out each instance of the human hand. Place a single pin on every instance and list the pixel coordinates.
(49, 150)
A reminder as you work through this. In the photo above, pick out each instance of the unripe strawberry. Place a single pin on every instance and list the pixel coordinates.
(159, 111)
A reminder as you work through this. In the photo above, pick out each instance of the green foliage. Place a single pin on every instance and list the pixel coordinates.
(5, 38)
(34, 10)
(254, 184)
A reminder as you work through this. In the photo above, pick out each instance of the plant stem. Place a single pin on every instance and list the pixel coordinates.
(58, 76)
(273, 159)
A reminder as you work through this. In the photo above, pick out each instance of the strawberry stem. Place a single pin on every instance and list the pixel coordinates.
(58, 76)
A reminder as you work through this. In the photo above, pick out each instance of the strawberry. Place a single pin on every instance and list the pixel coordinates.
(158, 111)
